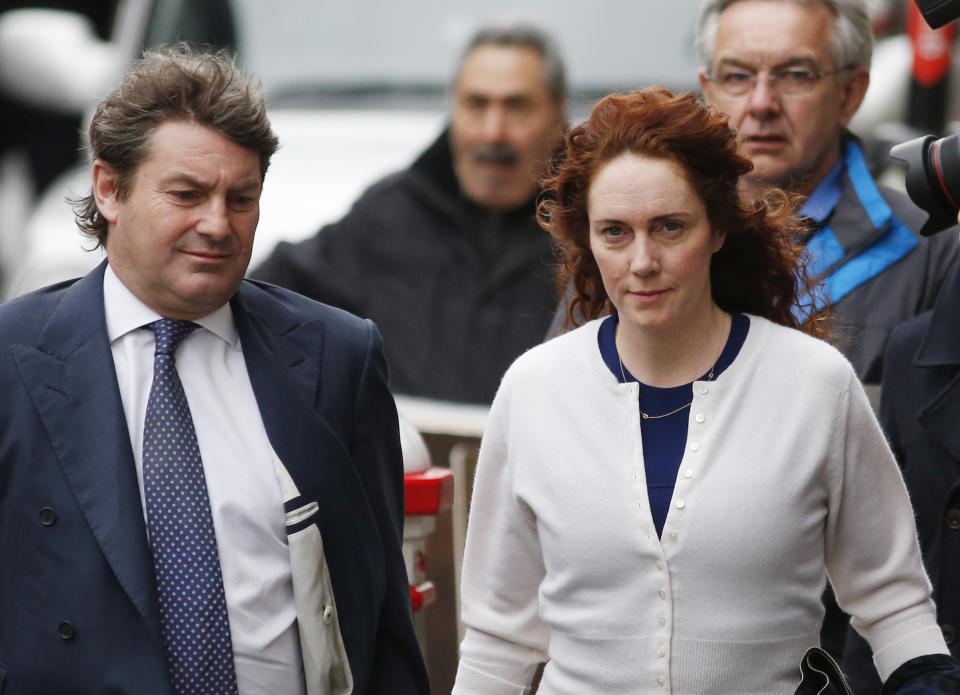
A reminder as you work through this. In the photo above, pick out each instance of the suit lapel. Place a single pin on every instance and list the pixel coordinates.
(283, 356)
(940, 418)
(71, 378)
(941, 350)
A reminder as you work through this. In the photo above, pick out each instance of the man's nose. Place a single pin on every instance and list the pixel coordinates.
(214, 219)
(495, 124)
(763, 99)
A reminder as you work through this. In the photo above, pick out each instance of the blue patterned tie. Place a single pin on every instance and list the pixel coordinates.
(193, 608)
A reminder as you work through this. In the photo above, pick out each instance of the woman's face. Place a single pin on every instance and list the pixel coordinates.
(652, 241)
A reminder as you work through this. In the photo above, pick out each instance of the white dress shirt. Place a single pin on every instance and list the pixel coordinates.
(245, 497)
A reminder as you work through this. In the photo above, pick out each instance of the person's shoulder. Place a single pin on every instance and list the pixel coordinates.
(905, 340)
(792, 351)
(388, 208)
(270, 301)
(550, 372)
(26, 315)
(390, 184)
(555, 356)
(940, 244)
(421, 179)
(903, 208)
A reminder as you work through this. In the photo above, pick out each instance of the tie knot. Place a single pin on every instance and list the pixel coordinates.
(169, 332)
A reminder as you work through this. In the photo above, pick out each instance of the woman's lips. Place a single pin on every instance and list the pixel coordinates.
(647, 296)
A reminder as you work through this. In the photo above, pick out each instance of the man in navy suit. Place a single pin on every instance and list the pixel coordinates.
(288, 419)
(920, 412)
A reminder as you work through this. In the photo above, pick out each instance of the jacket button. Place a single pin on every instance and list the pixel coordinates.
(48, 517)
(953, 518)
(949, 633)
(67, 630)
(327, 615)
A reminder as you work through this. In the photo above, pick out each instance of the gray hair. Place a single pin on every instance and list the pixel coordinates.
(523, 36)
(851, 43)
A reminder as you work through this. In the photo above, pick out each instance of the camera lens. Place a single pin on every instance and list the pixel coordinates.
(933, 178)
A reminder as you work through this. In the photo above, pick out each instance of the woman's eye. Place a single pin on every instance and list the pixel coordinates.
(672, 226)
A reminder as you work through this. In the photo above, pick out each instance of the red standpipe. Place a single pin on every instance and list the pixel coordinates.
(930, 73)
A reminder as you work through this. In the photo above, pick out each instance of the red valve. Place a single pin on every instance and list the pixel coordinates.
(428, 492)
(422, 595)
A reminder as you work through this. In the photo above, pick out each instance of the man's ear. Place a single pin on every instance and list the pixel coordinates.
(705, 85)
(106, 190)
(852, 93)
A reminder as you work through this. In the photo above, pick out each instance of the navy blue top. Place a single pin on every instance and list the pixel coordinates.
(664, 439)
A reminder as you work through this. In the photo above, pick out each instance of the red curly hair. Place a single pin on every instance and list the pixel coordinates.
(758, 268)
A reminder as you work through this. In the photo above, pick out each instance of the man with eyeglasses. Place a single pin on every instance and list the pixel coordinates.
(791, 74)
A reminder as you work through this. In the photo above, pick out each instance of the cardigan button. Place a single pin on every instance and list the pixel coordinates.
(949, 633)
(953, 518)
(327, 615)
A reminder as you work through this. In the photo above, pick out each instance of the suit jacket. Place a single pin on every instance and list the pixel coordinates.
(78, 603)
(920, 412)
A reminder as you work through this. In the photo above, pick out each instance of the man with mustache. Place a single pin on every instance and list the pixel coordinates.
(446, 256)
(791, 74)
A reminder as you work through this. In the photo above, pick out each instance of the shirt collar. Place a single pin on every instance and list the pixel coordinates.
(825, 196)
(125, 313)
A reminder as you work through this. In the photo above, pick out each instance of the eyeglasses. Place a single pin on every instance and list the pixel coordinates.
(736, 82)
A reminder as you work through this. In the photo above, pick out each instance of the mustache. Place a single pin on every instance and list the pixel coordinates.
(496, 153)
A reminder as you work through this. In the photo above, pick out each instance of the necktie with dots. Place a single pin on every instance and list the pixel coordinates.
(193, 609)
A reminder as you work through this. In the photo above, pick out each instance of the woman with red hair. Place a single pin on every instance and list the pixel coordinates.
(662, 492)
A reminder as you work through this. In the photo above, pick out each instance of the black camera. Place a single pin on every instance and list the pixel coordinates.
(939, 12)
(933, 178)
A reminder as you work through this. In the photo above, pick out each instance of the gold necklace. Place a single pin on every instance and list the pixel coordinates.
(644, 415)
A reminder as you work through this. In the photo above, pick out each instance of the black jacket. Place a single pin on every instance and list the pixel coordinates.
(457, 291)
(920, 412)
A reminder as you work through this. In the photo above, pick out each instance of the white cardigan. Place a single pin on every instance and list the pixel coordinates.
(785, 474)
